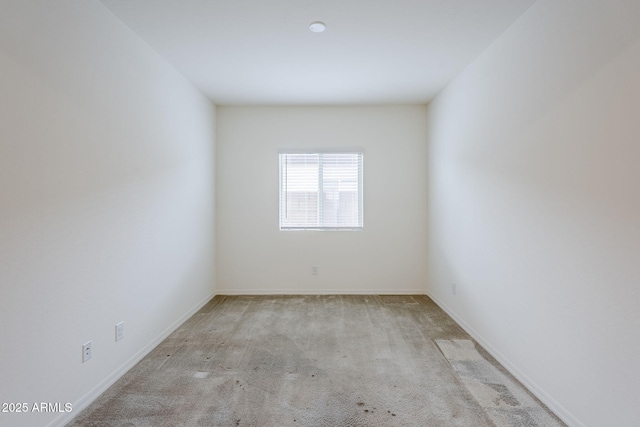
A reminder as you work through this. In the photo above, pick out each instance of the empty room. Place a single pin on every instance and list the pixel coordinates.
(320, 213)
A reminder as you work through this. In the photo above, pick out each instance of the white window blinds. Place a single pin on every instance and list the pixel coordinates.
(320, 191)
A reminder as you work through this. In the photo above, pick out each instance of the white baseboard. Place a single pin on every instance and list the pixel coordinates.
(322, 292)
(531, 385)
(88, 398)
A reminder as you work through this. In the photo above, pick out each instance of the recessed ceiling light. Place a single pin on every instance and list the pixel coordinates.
(317, 27)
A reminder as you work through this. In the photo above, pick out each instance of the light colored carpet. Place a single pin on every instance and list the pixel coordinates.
(309, 361)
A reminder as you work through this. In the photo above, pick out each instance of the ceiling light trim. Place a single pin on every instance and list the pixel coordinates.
(318, 27)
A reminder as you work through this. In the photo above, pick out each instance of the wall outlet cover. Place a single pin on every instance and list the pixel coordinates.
(86, 351)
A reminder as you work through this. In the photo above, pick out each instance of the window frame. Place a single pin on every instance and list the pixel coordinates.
(358, 151)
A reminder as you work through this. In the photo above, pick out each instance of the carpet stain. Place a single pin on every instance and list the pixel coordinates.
(506, 402)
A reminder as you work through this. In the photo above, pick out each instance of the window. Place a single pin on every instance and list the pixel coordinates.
(321, 191)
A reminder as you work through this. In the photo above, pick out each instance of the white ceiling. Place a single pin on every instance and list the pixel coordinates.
(241, 52)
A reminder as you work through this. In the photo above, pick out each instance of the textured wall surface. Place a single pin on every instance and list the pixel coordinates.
(388, 256)
(106, 201)
(534, 207)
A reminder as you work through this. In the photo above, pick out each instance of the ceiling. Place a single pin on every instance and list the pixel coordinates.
(261, 52)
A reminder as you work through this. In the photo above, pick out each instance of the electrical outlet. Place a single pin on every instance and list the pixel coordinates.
(86, 351)
(119, 331)
(453, 289)
(314, 270)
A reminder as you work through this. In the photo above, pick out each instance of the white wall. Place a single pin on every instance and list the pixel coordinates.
(535, 205)
(255, 257)
(106, 201)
